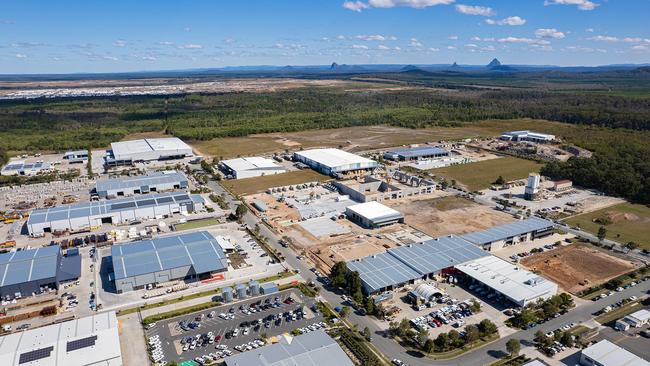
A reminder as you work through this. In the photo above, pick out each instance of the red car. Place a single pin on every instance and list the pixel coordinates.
(217, 339)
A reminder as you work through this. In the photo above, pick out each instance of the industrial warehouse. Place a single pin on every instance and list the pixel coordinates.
(501, 236)
(129, 152)
(407, 264)
(310, 349)
(178, 257)
(88, 215)
(23, 168)
(93, 340)
(416, 153)
(606, 353)
(518, 285)
(517, 136)
(31, 271)
(333, 161)
(154, 182)
(373, 215)
(76, 156)
(250, 167)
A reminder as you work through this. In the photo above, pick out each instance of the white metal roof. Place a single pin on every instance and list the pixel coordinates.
(333, 157)
(374, 210)
(92, 340)
(251, 163)
(127, 149)
(518, 284)
(642, 315)
(607, 353)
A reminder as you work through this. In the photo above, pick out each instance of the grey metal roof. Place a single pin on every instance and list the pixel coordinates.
(199, 250)
(506, 231)
(382, 270)
(310, 349)
(433, 255)
(29, 265)
(22, 166)
(84, 209)
(139, 181)
(419, 151)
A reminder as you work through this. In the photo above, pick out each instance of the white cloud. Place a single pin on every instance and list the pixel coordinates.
(415, 43)
(359, 47)
(452, 48)
(148, 58)
(109, 58)
(453, 38)
(229, 41)
(291, 46)
(515, 20)
(581, 4)
(383, 48)
(191, 46)
(397, 48)
(549, 33)
(471, 45)
(340, 37)
(523, 40)
(28, 44)
(488, 48)
(584, 49)
(475, 10)
(119, 43)
(355, 5)
(166, 43)
(187, 29)
(640, 47)
(432, 49)
(475, 39)
(21, 55)
(376, 37)
(603, 39)
(589, 30)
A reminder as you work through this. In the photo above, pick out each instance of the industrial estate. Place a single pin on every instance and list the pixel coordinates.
(154, 250)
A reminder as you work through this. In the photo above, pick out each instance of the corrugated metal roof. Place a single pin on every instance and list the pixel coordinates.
(607, 353)
(199, 250)
(124, 150)
(382, 270)
(419, 151)
(506, 231)
(334, 157)
(139, 181)
(374, 210)
(84, 209)
(311, 349)
(250, 163)
(29, 265)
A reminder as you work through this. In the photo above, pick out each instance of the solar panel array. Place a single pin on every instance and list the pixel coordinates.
(28, 265)
(83, 209)
(35, 355)
(506, 231)
(199, 250)
(80, 343)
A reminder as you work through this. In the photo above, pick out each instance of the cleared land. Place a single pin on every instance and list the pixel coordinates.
(480, 175)
(259, 184)
(448, 215)
(625, 222)
(578, 266)
(196, 224)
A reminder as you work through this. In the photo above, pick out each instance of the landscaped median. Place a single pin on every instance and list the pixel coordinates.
(624, 310)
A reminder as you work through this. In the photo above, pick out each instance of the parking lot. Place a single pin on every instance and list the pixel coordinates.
(228, 320)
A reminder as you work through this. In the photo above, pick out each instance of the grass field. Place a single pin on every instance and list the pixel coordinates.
(480, 175)
(629, 222)
(259, 184)
(196, 224)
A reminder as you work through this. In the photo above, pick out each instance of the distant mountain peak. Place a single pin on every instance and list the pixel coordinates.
(410, 68)
(455, 65)
(334, 66)
(494, 63)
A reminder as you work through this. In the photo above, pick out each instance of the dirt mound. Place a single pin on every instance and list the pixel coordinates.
(615, 216)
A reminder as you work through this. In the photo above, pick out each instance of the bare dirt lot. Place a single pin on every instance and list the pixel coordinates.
(449, 215)
(575, 264)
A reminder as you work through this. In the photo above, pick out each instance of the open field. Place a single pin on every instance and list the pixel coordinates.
(448, 215)
(259, 184)
(628, 222)
(578, 263)
(196, 224)
(480, 175)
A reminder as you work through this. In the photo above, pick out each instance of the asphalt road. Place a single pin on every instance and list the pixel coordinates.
(392, 349)
(221, 327)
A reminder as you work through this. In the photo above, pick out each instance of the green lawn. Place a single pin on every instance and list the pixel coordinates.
(196, 224)
(480, 175)
(629, 222)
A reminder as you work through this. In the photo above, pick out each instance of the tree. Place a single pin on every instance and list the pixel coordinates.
(513, 346)
(429, 346)
(475, 306)
(471, 333)
(241, 210)
(602, 233)
(367, 334)
(422, 336)
(631, 245)
(486, 327)
(338, 274)
(344, 311)
(442, 342)
(404, 327)
(550, 308)
(444, 184)
(454, 338)
(354, 286)
(525, 317)
(567, 339)
(500, 180)
(370, 307)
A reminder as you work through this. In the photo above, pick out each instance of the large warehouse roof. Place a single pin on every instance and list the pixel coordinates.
(85, 209)
(518, 284)
(606, 353)
(334, 157)
(374, 211)
(415, 152)
(27, 168)
(28, 265)
(125, 150)
(382, 270)
(139, 181)
(199, 250)
(251, 163)
(92, 340)
(310, 349)
(506, 231)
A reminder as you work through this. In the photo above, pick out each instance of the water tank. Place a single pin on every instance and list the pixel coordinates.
(226, 294)
(241, 291)
(254, 287)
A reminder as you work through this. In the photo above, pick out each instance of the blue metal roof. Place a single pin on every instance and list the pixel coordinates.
(29, 265)
(419, 151)
(506, 231)
(199, 250)
(84, 209)
(139, 181)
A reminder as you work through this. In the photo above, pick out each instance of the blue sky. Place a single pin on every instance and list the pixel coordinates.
(116, 35)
